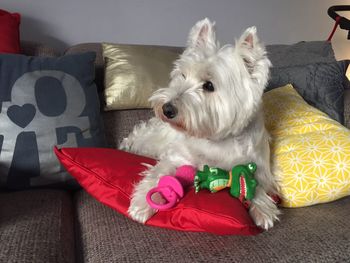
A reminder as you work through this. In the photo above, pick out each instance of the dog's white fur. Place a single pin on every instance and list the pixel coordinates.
(221, 128)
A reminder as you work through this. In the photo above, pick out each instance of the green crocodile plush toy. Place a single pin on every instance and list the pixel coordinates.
(240, 180)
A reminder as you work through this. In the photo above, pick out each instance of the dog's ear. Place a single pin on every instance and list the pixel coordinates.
(252, 50)
(249, 39)
(202, 35)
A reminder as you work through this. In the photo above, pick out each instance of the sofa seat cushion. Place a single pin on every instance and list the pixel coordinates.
(36, 226)
(313, 234)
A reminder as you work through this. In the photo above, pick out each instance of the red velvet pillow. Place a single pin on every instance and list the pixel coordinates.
(9, 32)
(109, 174)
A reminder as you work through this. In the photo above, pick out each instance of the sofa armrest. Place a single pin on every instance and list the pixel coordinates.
(31, 48)
(347, 108)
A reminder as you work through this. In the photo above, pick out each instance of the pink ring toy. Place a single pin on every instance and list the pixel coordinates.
(171, 191)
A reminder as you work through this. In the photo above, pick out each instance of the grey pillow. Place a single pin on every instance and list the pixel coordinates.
(45, 102)
(320, 84)
(300, 53)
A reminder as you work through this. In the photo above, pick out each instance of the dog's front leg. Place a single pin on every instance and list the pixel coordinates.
(139, 209)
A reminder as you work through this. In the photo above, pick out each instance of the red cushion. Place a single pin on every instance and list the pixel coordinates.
(9, 32)
(109, 175)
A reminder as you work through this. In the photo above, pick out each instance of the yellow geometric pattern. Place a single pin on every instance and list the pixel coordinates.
(310, 151)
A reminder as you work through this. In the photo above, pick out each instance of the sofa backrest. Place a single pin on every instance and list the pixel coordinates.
(119, 123)
(31, 48)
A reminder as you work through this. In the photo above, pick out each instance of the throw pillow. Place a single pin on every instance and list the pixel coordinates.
(301, 53)
(311, 151)
(320, 84)
(133, 72)
(9, 32)
(109, 176)
(45, 102)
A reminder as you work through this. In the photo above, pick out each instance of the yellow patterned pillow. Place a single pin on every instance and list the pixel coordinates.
(311, 152)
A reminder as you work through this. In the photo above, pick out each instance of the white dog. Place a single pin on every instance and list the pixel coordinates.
(209, 114)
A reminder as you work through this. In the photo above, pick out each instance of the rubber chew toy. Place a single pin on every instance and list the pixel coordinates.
(240, 180)
(171, 188)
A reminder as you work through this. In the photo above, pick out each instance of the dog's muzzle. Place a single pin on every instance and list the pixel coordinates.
(169, 110)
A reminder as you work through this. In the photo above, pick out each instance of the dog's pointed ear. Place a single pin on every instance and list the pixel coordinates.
(249, 38)
(253, 52)
(202, 35)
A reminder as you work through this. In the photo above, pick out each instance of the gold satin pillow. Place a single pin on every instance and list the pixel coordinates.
(133, 72)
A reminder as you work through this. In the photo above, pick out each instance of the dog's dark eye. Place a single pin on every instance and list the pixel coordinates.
(183, 75)
(208, 86)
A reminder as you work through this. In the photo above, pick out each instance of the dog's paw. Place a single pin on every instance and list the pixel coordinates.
(264, 214)
(140, 211)
(263, 219)
(124, 145)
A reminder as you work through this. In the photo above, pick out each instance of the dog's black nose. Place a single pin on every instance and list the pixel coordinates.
(169, 110)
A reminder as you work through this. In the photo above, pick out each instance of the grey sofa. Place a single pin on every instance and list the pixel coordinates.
(49, 225)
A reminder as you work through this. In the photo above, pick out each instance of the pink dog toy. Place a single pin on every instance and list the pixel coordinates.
(171, 188)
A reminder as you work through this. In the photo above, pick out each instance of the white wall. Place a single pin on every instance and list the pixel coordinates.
(62, 23)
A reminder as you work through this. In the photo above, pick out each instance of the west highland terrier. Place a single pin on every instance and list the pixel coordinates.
(210, 113)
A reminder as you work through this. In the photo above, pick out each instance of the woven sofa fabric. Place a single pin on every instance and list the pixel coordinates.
(36, 226)
(118, 124)
(32, 48)
(313, 234)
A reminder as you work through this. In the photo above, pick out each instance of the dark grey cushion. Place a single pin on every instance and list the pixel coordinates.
(347, 108)
(36, 226)
(45, 102)
(313, 70)
(321, 84)
(313, 234)
(300, 53)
